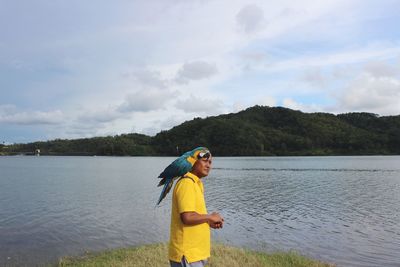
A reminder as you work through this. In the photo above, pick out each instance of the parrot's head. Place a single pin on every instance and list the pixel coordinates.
(198, 153)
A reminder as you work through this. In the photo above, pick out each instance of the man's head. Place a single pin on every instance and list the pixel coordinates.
(202, 166)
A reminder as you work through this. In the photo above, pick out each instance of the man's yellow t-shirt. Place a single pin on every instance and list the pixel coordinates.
(191, 241)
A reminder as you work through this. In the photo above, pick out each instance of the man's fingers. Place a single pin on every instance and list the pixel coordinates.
(217, 225)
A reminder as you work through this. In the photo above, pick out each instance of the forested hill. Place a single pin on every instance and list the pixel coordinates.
(252, 132)
(281, 131)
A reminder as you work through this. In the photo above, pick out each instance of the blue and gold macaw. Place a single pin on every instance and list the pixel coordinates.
(178, 168)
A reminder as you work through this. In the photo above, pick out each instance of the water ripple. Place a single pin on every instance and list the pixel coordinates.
(305, 169)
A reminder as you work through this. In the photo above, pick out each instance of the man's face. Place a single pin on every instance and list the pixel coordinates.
(202, 167)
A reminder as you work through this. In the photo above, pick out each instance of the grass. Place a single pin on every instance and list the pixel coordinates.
(221, 256)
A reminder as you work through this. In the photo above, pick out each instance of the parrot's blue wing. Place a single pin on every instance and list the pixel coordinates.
(177, 168)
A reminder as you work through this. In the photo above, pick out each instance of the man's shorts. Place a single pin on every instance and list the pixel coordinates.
(185, 263)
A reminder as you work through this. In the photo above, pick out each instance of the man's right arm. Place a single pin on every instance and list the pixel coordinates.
(193, 218)
(185, 197)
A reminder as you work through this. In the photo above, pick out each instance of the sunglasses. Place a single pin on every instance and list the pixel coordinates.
(204, 155)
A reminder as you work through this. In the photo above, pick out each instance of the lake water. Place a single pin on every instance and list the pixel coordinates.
(344, 210)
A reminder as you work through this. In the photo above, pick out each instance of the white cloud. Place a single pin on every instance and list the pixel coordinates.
(381, 69)
(353, 56)
(314, 77)
(7, 109)
(196, 70)
(11, 115)
(369, 93)
(147, 78)
(254, 56)
(102, 115)
(238, 106)
(250, 18)
(266, 101)
(292, 104)
(196, 104)
(146, 100)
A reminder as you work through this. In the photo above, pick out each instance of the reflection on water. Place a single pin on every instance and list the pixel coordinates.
(339, 209)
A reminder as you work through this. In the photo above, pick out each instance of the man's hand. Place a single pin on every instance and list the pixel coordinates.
(215, 220)
(216, 225)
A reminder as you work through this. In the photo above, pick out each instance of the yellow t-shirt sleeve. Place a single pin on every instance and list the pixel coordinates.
(185, 195)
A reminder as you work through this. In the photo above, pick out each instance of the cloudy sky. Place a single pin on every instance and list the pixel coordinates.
(71, 69)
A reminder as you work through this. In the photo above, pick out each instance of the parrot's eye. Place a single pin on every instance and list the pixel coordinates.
(205, 155)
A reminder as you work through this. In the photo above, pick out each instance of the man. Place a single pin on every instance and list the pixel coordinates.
(190, 223)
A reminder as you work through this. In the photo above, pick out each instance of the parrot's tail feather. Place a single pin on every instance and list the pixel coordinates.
(167, 187)
(163, 174)
(165, 190)
(162, 182)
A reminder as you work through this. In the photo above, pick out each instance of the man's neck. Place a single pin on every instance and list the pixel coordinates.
(199, 176)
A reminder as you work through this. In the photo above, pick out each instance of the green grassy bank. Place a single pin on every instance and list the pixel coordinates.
(221, 256)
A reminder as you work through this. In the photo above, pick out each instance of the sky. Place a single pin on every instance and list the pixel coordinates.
(73, 69)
